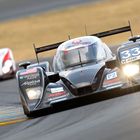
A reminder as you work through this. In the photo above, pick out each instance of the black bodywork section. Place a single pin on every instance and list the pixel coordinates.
(83, 80)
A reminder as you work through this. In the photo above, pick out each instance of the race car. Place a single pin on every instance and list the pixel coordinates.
(7, 64)
(84, 70)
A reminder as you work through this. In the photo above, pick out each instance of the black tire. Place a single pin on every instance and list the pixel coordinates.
(25, 110)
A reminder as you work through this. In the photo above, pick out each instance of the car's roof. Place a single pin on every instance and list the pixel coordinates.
(4, 49)
(72, 43)
(129, 44)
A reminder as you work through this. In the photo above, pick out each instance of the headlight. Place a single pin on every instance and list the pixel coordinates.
(34, 93)
(131, 69)
(7, 66)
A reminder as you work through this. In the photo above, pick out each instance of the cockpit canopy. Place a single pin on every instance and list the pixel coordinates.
(80, 51)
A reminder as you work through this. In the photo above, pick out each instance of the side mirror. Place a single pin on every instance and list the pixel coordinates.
(24, 64)
(134, 38)
(111, 64)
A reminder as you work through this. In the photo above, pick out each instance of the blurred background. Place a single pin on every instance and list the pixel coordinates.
(24, 22)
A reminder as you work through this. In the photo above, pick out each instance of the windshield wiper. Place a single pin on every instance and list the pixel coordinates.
(90, 61)
(73, 65)
(82, 63)
(80, 58)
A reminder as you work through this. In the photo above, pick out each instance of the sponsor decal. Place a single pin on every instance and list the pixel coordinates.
(29, 71)
(77, 42)
(6, 57)
(115, 80)
(111, 75)
(56, 92)
(52, 95)
(30, 77)
(31, 83)
(131, 59)
(112, 83)
(59, 89)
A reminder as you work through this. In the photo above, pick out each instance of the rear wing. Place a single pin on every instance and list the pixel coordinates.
(100, 35)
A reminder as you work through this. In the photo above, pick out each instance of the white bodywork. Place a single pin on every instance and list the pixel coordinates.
(80, 42)
(7, 63)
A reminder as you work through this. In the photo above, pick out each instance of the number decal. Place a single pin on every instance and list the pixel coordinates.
(125, 54)
(135, 51)
(130, 55)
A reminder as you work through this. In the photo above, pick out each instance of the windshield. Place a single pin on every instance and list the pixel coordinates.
(79, 55)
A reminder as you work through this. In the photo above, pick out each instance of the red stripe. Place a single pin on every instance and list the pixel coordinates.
(115, 80)
(56, 94)
(6, 57)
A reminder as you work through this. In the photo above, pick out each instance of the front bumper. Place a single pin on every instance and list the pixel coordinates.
(83, 100)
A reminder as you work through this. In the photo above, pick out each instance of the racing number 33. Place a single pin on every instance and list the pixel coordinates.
(130, 53)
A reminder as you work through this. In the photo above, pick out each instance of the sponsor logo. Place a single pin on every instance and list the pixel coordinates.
(77, 42)
(29, 71)
(130, 59)
(30, 77)
(52, 95)
(31, 83)
(111, 75)
(54, 90)
(57, 92)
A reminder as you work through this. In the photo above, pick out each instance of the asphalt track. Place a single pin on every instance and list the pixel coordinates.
(10, 9)
(114, 119)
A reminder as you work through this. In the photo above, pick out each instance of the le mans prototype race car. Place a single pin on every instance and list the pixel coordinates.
(7, 64)
(84, 70)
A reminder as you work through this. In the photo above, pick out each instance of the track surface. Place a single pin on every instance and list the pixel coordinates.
(115, 119)
(16, 8)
